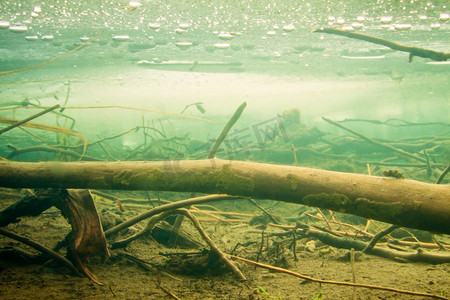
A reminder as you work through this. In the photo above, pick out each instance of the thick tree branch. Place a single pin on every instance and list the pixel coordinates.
(407, 203)
(413, 51)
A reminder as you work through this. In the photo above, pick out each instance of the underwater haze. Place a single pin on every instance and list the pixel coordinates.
(361, 87)
(182, 68)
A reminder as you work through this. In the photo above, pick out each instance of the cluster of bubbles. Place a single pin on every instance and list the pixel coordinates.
(205, 15)
(387, 22)
(221, 26)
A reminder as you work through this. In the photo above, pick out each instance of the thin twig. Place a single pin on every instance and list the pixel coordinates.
(196, 211)
(144, 264)
(378, 236)
(294, 243)
(428, 162)
(29, 118)
(138, 109)
(368, 169)
(107, 152)
(226, 129)
(165, 207)
(272, 218)
(439, 180)
(324, 218)
(341, 225)
(369, 286)
(211, 244)
(52, 60)
(35, 136)
(41, 248)
(346, 243)
(413, 51)
(400, 151)
(151, 223)
(111, 290)
(352, 261)
(295, 156)
(400, 122)
(212, 153)
(260, 247)
(172, 295)
(334, 220)
(47, 128)
(17, 151)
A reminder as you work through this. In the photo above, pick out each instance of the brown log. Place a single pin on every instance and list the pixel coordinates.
(404, 202)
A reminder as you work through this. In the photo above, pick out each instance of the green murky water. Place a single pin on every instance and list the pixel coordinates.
(153, 80)
(202, 59)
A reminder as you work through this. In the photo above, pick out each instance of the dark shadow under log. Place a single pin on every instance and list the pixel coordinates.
(403, 202)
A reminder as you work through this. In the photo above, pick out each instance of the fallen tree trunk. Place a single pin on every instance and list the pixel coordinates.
(404, 202)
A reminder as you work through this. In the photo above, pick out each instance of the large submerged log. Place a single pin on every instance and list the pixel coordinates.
(404, 202)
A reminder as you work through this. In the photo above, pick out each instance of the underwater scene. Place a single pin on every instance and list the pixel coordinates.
(224, 149)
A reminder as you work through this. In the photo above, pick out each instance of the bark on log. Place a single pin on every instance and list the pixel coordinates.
(404, 202)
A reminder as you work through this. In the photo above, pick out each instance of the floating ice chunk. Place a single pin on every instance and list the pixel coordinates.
(4, 24)
(222, 45)
(143, 62)
(31, 38)
(435, 26)
(134, 4)
(183, 45)
(154, 26)
(225, 36)
(438, 63)
(120, 38)
(402, 27)
(184, 26)
(180, 30)
(364, 57)
(357, 25)
(18, 28)
(47, 37)
(444, 17)
(386, 19)
(36, 11)
(289, 28)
